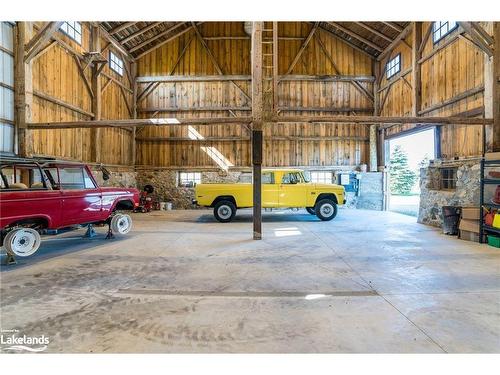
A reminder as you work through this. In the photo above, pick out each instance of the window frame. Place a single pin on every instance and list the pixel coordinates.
(71, 186)
(75, 32)
(194, 180)
(7, 111)
(442, 36)
(398, 56)
(298, 178)
(116, 63)
(271, 181)
(450, 180)
(321, 180)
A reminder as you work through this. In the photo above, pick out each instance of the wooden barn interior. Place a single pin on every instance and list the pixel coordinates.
(181, 104)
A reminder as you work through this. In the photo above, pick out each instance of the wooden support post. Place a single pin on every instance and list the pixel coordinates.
(492, 92)
(23, 89)
(496, 87)
(416, 71)
(437, 142)
(373, 148)
(257, 118)
(96, 134)
(375, 153)
(134, 110)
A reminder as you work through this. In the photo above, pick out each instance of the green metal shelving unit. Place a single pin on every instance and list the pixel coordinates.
(483, 228)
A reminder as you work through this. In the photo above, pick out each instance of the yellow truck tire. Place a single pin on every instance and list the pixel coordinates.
(326, 209)
(224, 211)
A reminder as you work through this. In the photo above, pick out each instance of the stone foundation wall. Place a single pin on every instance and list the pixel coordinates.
(167, 189)
(117, 178)
(432, 199)
(371, 196)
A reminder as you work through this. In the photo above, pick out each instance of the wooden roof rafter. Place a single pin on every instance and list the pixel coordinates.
(357, 36)
(121, 27)
(136, 39)
(374, 31)
(348, 42)
(139, 32)
(156, 37)
(169, 39)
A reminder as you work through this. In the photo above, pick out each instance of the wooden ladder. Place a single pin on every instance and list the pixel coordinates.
(270, 66)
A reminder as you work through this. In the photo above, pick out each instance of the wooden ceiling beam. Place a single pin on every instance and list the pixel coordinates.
(403, 34)
(121, 27)
(393, 26)
(162, 122)
(183, 78)
(157, 36)
(357, 36)
(384, 120)
(139, 32)
(349, 43)
(374, 31)
(247, 120)
(158, 45)
(119, 47)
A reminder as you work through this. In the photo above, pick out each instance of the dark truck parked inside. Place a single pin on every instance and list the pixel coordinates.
(42, 194)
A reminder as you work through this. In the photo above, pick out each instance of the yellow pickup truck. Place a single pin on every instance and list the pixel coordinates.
(283, 188)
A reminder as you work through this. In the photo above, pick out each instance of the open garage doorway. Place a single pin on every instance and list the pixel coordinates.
(407, 153)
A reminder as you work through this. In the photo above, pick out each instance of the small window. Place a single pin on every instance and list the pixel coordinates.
(71, 178)
(322, 177)
(115, 63)
(268, 178)
(73, 30)
(291, 178)
(189, 179)
(442, 28)
(89, 183)
(393, 66)
(448, 178)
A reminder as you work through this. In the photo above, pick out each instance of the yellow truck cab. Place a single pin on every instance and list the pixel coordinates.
(281, 188)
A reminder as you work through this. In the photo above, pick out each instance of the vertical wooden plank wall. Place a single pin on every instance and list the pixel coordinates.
(446, 74)
(55, 73)
(327, 144)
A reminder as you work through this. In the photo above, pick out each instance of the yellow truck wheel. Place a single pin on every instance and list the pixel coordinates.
(326, 209)
(224, 211)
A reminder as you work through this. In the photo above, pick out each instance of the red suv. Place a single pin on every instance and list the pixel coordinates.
(40, 194)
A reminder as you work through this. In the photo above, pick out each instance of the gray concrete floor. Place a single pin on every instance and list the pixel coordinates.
(181, 282)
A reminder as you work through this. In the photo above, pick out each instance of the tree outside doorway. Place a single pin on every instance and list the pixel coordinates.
(407, 155)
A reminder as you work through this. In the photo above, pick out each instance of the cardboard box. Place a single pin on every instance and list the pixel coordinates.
(469, 225)
(469, 236)
(470, 213)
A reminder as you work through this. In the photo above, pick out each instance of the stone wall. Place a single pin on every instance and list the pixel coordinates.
(118, 178)
(371, 196)
(432, 199)
(167, 189)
